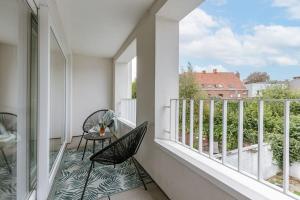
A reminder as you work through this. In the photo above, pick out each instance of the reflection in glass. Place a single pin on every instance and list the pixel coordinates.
(15, 18)
(57, 98)
(33, 90)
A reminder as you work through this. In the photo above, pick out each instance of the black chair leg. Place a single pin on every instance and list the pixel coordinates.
(80, 141)
(93, 152)
(84, 149)
(5, 159)
(138, 171)
(87, 179)
(93, 146)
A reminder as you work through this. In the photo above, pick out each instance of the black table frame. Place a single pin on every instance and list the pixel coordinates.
(94, 141)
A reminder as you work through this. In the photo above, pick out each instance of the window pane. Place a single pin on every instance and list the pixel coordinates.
(57, 99)
(15, 24)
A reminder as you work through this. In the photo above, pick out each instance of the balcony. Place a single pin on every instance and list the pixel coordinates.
(61, 60)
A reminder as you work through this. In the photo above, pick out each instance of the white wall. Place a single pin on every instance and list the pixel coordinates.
(295, 84)
(8, 77)
(250, 161)
(58, 29)
(91, 86)
(255, 89)
(57, 92)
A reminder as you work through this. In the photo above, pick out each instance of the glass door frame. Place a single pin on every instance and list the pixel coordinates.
(34, 27)
(56, 162)
(25, 14)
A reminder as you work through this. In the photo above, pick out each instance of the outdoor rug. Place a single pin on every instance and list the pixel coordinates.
(104, 180)
(8, 180)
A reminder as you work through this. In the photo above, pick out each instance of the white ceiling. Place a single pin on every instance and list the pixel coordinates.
(99, 27)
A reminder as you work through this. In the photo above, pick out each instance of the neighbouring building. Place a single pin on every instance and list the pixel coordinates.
(222, 84)
(255, 89)
(295, 84)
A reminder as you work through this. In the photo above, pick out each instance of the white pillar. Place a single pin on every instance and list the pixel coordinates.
(44, 104)
(157, 82)
(166, 72)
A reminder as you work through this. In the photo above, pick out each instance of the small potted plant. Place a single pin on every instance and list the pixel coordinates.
(102, 128)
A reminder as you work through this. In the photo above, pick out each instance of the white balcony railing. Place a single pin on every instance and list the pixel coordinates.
(196, 123)
(128, 110)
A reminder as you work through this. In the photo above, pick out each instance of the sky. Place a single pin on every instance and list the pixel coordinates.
(244, 36)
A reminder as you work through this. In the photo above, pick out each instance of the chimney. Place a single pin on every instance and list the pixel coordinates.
(204, 72)
(237, 74)
(215, 71)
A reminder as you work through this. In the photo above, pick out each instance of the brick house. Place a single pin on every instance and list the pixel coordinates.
(222, 84)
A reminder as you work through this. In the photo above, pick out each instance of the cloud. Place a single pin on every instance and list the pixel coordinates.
(292, 7)
(283, 60)
(219, 2)
(214, 40)
(210, 68)
(197, 24)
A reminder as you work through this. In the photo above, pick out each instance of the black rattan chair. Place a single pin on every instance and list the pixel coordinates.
(91, 121)
(9, 121)
(119, 151)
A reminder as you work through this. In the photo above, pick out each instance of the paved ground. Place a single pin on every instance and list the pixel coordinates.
(294, 183)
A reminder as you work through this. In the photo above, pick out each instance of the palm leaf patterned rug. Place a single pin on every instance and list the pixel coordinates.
(8, 181)
(104, 180)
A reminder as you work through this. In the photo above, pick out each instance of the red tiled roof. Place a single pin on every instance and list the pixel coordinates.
(220, 80)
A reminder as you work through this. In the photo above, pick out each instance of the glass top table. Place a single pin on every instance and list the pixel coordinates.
(95, 136)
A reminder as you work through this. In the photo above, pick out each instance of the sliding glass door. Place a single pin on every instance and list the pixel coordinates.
(18, 99)
(33, 103)
(57, 99)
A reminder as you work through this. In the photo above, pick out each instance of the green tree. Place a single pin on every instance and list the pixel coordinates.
(189, 88)
(133, 89)
(274, 123)
(257, 77)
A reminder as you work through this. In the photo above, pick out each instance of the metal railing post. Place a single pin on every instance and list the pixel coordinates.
(240, 133)
(260, 138)
(224, 136)
(200, 125)
(211, 129)
(192, 123)
(286, 146)
(183, 120)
